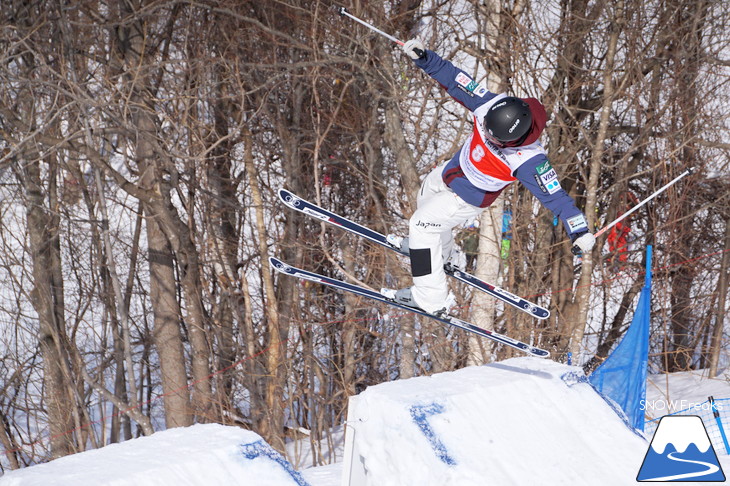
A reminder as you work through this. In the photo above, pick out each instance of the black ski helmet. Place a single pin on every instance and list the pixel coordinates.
(508, 120)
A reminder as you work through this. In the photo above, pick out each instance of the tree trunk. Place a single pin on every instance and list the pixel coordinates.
(488, 267)
(395, 139)
(133, 41)
(499, 25)
(722, 288)
(166, 331)
(272, 429)
(48, 303)
(577, 319)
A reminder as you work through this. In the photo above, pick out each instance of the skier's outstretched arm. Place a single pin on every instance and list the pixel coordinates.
(455, 81)
(541, 179)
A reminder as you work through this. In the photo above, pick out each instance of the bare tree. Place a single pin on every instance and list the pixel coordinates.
(142, 145)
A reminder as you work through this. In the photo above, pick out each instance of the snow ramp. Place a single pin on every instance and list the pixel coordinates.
(200, 455)
(522, 421)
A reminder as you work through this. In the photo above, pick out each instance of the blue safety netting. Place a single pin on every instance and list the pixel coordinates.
(622, 377)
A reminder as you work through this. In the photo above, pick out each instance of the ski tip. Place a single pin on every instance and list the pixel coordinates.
(288, 198)
(276, 263)
(280, 266)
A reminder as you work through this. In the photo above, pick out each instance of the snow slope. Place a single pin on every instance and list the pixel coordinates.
(517, 422)
(510, 423)
(195, 456)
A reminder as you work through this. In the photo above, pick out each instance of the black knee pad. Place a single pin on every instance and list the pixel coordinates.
(420, 261)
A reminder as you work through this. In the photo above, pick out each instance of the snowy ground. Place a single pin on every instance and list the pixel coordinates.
(511, 423)
(678, 391)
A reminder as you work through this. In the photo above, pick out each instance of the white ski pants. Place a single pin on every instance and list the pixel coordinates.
(431, 239)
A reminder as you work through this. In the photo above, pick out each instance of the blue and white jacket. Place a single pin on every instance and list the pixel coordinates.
(481, 169)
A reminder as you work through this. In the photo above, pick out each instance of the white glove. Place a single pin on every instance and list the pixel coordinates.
(584, 243)
(414, 48)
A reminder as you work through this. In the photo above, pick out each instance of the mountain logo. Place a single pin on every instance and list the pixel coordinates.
(681, 451)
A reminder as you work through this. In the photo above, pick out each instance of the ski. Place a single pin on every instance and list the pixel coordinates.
(302, 205)
(287, 269)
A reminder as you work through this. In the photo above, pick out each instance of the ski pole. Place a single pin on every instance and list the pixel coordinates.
(343, 11)
(620, 218)
(716, 413)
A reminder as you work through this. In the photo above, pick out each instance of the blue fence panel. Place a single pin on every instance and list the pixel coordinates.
(622, 377)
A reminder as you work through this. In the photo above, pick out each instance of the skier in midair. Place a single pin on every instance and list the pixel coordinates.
(503, 148)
